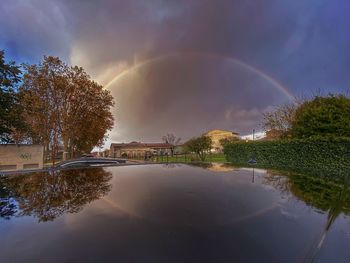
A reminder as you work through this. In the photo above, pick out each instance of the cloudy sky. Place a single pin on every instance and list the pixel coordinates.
(187, 66)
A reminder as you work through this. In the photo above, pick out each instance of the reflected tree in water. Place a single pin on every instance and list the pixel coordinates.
(8, 206)
(50, 195)
(325, 194)
(329, 195)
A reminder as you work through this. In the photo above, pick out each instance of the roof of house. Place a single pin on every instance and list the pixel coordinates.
(220, 131)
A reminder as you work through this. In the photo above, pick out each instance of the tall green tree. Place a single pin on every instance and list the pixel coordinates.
(322, 116)
(10, 110)
(201, 146)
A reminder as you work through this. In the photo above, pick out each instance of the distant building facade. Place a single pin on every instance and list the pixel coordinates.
(21, 156)
(104, 153)
(138, 149)
(218, 135)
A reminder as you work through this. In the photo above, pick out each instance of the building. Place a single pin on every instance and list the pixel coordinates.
(21, 156)
(104, 153)
(139, 149)
(218, 135)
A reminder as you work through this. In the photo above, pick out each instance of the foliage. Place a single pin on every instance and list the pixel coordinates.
(326, 194)
(225, 141)
(280, 120)
(8, 206)
(64, 106)
(323, 157)
(322, 116)
(50, 195)
(201, 146)
(11, 122)
(88, 101)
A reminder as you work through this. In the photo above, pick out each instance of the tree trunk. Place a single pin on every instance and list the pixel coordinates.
(66, 154)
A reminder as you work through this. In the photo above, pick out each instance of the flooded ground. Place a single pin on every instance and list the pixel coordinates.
(174, 213)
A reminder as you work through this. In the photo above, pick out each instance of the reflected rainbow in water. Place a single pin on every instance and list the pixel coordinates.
(170, 212)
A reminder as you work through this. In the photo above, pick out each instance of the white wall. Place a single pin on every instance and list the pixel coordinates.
(18, 157)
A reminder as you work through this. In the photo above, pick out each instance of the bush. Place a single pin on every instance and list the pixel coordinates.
(201, 146)
(322, 116)
(324, 157)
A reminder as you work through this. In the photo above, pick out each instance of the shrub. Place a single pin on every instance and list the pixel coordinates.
(322, 116)
(324, 157)
(201, 146)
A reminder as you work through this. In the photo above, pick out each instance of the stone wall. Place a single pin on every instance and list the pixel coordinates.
(18, 157)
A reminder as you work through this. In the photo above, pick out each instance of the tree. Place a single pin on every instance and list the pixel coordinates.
(171, 139)
(50, 195)
(201, 146)
(11, 122)
(322, 116)
(42, 97)
(87, 100)
(225, 141)
(65, 107)
(279, 121)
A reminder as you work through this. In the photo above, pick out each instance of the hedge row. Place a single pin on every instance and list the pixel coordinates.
(324, 157)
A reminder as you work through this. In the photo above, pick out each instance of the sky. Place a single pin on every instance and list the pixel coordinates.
(187, 66)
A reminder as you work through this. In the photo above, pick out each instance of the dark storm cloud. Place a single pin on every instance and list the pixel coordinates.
(31, 29)
(302, 44)
(189, 94)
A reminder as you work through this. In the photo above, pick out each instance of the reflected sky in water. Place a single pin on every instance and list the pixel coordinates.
(173, 213)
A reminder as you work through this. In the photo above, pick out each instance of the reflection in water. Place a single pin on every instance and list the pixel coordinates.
(171, 165)
(167, 213)
(7, 204)
(326, 195)
(215, 167)
(221, 167)
(50, 195)
(331, 196)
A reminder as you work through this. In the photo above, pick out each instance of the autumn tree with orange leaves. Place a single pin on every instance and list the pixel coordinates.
(63, 106)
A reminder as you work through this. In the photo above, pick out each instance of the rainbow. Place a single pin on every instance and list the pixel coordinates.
(238, 62)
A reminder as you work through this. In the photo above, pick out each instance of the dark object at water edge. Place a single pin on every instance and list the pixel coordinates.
(252, 161)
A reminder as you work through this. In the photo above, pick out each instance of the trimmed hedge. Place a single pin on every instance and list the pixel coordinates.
(324, 157)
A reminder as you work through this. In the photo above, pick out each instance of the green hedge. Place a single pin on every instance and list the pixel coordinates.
(324, 157)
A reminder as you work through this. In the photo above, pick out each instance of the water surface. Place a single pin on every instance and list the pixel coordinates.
(173, 213)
